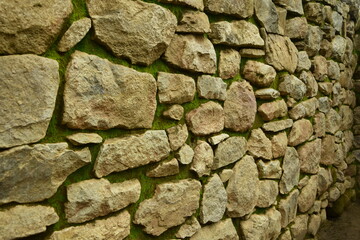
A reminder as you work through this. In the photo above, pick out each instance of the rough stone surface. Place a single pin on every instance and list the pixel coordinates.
(288, 208)
(213, 204)
(279, 143)
(189, 228)
(269, 169)
(281, 53)
(324, 180)
(293, 6)
(197, 4)
(242, 8)
(206, 119)
(133, 29)
(215, 140)
(252, 52)
(74, 34)
(237, 34)
(320, 68)
(338, 48)
(98, 197)
(114, 227)
(193, 22)
(268, 191)
(301, 131)
(326, 88)
(175, 88)
(177, 136)
(166, 209)
(175, 112)
(296, 28)
(324, 104)
(299, 228)
(203, 159)
(242, 189)
(267, 94)
(259, 74)
(314, 224)
(84, 138)
(310, 155)
(277, 126)
(266, 13)
(226, 174)
(258, 145)
(33, 174)
(306, 108)
(304, 62)
(310, 82)
(193, 53)
(211, 87)
(328, 150)
(291, 168)
(307, 195)
(229, 63)
(31, 26)
(119, 154)
(102, 95)
(333, 121)
(333, 70)
(313, 40)
(240, 107)
(292, 86)
(347, 118)
(223, 229)
(25, 220)
(25, 116)
(185, 155)
(271, 110)
(229, 151)
(164, 169)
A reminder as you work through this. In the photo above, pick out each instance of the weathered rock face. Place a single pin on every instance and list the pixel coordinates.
(313, 40)
(165, 168)
(292, 86)
(217, 231)
(229, 151)
(240, 107)
(324, 180)
(279, 143)
(74, 34)
(177, 136)
(301, 131)
(31, 26)
(267, 94)
(185, 155)
(304, 62)
(277, 126)
(296, 28)
(237, 34)
(198, 4)
(271, 110)
(229, 63)
(310, 82)
(166, 208)
(242, 8)
(114, 227)
(98, 197)
(268, 191)
(310, 155)
(102, 95)
(119, 154)
(25, 116)
(306, 108)
(307, 195)
(25, 220)
(133, 29)
(333, 121)
(242, 189)
(32, 174)
(288, 208)
(259, 74)
(291, 168)
(189, 228)
(269, 169)
(267, 14)
(193, 53)
(203, 159)
(299, 229)
(328, 150)
(79, 139)
(258, 145)
(211, 87)
(320, 68)
(175, 112)
(194, 22)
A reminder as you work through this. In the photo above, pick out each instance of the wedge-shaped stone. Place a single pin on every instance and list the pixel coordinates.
(268, 191)
(194, 22)
(310, 156)
(177, 136)
(25, 220)
(119, 154)
(301, 131)
(84, 138)
(114, 227)
(258, 145)
(166, 208)
(102, 95)
(291, 171)
(267, 14)
(277, 126)
(288, 208)
(267, 94)
(163, 169)
(217, 231)
(189, 228)
(229, 63)
(28, 89)
(291, 85)
(74, 34)
(259, 74)
(279, 143)
(238, 8)
(98, 197)
(203, 159)
(307, 195)
(229, 151)
(271, 110)
(136, 30)
(33, 174)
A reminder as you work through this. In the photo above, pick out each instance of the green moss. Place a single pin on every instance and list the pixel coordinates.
(80, 10)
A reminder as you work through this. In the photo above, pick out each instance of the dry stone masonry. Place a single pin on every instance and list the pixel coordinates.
(177, 119)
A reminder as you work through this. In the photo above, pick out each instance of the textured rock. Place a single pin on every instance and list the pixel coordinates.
(328, 150)
(282, 13)
(314, 224)
(310, 82)
(166, 209)
(296, 28)
(293, 6)
(313, 12)
(268, 191)
(177, 136)
(333, 70)
(186, 154)
(203, 159)
(258, 145)
(198, 4)
(226, 174)
(277, 126)
(267, 14)
(215, 140)
(313, 40)
(193, 22)
(189, 228)
(229, 151)
(325, 87)
(164, 169)
(242, 8)
(338, 48)
(271, 110)
(79, 139)
(288, 208)
(119, 154)
(269, 169)
(267, 94)
(33, 174)
(240, 107)
(211, 87)
(292, 86)
(307, 195)
(25, 116)
(301, 131)
(175, 88)
(304, 62)
(279, 143)
(281, 53)
(324, 180)
(229, 63)
(306, 108)
(74, 34)
(98, 197)
(175, 112)
(347, 118)
(223, 229)
(324, 104)
(242, 188)
(299, 228)
(291, 168)
(320, 68)
(114, 227)
(252, 52)
(333, 121)
(237, 34)
(310, 155)
(259, 74)
(213, 204)
(206, 119)
(31, 26)
(133, 29)
(193, 53)
(102, 95)
(25, 220)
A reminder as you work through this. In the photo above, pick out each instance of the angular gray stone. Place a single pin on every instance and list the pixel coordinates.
(215, 140)
(271, 110)
(203, 159)
(320, 69)
(338, 48)
(229, 63)
(269, 169)
(177, 136)
(164, 169)
(175, 112)
(34, 173)
(25, 115)
(189, 228)
(31, 26)
(213, 204)
(292, 86)
(242, 197)
(310, 156)
(25, 220)
(266, 13)
(293, 6)
(193, 53)
(74, 34)
(194, 22)
(279, 143)
(101, 95)
(277, 126)
(333, 121)
(185, 155)
(98, 197)
(119, 154)
(268, 191)
(258, 145)
(296, 28)
(301, 131)
(197, 4)
(208, 118)
(229, 151)
(299, 228)
(236, 33)
(211, 87)
(304, 62)
(324, 104)
(267, 94)
(259, 74)
(288, 208)
(238, 8)
(135, 30)
(166, 209)
(79, 139)
(328, 150)
(291, 171)
(307, 195)
(310, 82)
(175, 88)
(313, 40)
(223, 229)
(333, 70)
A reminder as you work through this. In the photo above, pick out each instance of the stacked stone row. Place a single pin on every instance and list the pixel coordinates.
(261, 111)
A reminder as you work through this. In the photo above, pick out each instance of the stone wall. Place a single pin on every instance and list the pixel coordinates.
(177, 119)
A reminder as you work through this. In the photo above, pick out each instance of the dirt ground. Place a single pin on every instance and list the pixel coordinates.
(346, 227)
